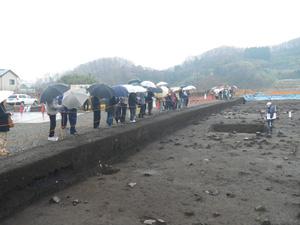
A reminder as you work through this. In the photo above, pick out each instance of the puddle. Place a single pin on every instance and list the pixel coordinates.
(34, 117)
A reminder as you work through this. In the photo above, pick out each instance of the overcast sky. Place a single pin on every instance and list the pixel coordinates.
(41, 37)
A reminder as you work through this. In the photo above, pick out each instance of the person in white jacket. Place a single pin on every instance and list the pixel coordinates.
(52, 109)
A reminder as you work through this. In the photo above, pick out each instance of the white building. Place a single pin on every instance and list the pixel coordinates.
(9, 80)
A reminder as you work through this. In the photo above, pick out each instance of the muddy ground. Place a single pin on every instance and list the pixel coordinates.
(193, 176)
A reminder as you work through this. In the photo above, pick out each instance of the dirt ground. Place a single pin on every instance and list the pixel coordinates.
(191, 177)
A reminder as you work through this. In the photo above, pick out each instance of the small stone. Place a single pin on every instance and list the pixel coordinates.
(160, 222)
(266, 222)
(132, 184)
(216, 214)
(260, 208)
(214, 192)
(55, 199)
(149, 221)
(189, 213)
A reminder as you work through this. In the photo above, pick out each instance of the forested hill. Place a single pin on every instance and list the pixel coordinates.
(254, 68)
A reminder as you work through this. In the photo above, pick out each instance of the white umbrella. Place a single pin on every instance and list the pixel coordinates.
(4, 95)
(188, 88)
(75, 98)
(162, 83)
(175, 88)
(129, 87)
(147, 84)
(139, 89)
(163, 94)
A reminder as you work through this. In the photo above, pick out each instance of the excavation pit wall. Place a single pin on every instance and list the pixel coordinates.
(44, 170)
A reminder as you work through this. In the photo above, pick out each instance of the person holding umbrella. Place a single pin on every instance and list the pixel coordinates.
(95, 106)
(52, 108)
(132, 102)
(49, 96)
(149, 101)
(4, 128)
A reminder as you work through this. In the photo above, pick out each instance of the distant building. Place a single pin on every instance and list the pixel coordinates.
(9, 80)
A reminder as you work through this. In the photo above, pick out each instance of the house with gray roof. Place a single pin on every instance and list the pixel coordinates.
(9, 80)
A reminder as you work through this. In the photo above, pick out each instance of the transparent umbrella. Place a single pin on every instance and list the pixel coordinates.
(75, 98)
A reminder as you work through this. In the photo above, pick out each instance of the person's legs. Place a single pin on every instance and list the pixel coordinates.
(110, 119)
(3, 138)
(97, 117)
(123, 115)
(52, 125)
(73, 120)
(132, 114)
(143, 110)
(270, 122)
(150, 106)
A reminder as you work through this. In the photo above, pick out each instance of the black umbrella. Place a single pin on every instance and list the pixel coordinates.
(155, 90)
(52, 91)
(134, 81)
(101, 90)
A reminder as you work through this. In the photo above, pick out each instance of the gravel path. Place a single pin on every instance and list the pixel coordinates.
(25, 136)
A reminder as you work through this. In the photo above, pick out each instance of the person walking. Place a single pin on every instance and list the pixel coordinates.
(270, 117)
(52, 109)
(4, 128)
(95, 106)
(132, 101)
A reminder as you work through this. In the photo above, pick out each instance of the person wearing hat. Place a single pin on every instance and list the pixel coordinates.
(270, 116)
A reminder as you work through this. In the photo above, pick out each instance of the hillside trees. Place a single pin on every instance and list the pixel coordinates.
(75, 78)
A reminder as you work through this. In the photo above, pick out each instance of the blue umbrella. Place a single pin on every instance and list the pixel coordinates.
(120, 91)
(183, 86)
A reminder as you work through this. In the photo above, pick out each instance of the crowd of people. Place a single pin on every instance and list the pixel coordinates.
(138, 104)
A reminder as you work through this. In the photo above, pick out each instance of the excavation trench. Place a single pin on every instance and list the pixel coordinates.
(239, 128)
(47, 169)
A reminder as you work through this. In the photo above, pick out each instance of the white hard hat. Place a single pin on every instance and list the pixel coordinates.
(269, 103)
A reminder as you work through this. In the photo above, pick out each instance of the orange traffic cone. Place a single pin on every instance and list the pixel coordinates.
(191, 100)
(21, 109)
(199, 99)
(43, 108)
(157, 105)
(196, 100)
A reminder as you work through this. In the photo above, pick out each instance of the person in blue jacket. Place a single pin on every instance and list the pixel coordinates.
(271, 117)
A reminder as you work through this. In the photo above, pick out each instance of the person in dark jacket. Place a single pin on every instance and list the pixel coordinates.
(132, 101)
(4, 128)
(95, 106)
(110, 109)
(270, 117)
(149, 101)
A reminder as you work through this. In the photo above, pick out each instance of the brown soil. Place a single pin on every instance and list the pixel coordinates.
(194, 176)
